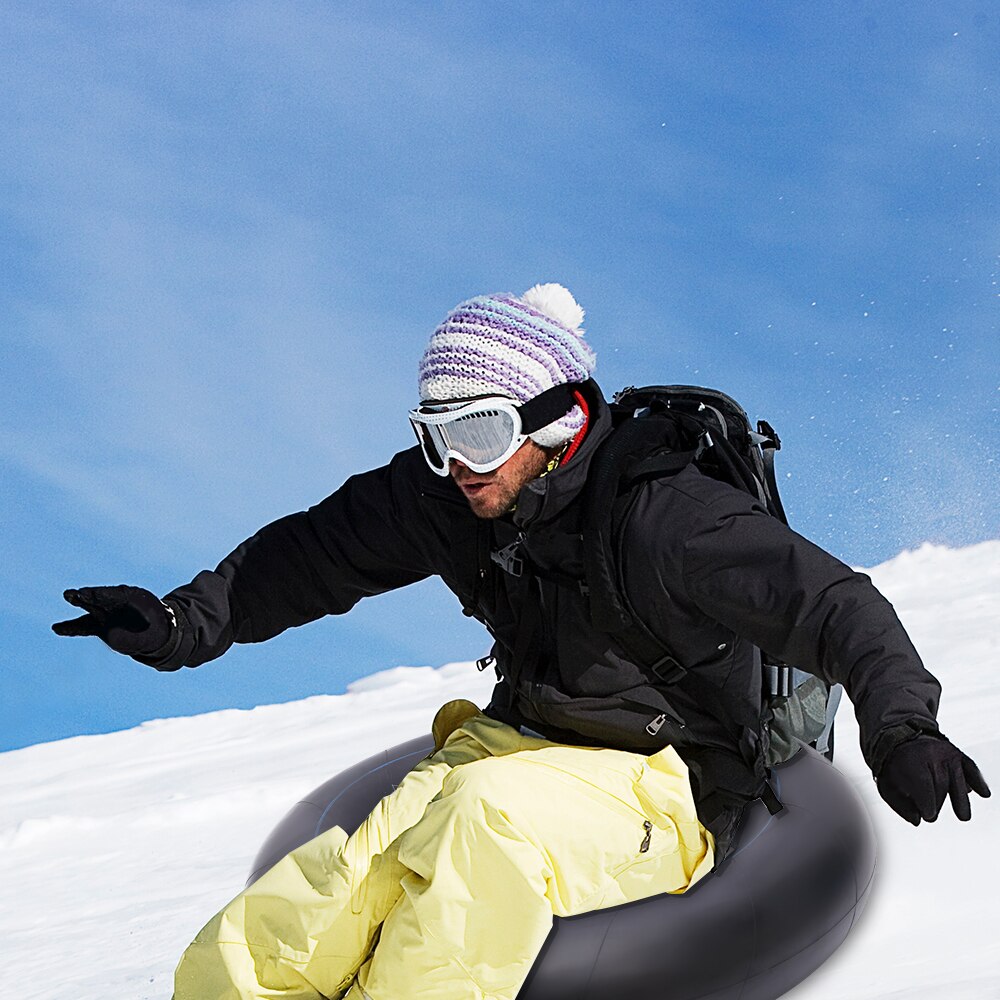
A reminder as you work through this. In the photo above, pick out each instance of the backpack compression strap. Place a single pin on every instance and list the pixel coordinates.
(769, 442)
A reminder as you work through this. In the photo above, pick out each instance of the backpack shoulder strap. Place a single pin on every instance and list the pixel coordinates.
(658, 445)
(636, 449)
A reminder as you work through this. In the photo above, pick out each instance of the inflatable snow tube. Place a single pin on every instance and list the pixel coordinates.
(783, 901)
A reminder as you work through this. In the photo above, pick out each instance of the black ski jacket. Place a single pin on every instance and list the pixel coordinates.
(703, 564)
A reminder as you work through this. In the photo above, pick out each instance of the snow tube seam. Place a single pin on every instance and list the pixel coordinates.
(364, 777)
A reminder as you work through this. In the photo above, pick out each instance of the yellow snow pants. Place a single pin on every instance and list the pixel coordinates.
(447, 890)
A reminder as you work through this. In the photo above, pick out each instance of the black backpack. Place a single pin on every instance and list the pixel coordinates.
(659, 430)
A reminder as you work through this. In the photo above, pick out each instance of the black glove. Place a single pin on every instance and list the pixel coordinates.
(129, 619)
(919, 772)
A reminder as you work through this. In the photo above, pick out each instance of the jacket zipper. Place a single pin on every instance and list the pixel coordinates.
(648, 827)
(656, 725)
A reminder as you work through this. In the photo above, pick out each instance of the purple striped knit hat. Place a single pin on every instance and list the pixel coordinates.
(513, 346)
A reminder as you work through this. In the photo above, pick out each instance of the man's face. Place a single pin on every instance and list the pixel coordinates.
(491, 494)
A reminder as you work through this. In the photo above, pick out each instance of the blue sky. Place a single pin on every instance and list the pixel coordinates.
(227, 230)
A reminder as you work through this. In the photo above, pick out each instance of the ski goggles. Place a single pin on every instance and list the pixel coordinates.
(484, 432)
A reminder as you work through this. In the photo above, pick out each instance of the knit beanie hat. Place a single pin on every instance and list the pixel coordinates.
(511, 346)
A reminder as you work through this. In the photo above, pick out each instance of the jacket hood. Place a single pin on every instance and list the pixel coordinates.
(545, 498)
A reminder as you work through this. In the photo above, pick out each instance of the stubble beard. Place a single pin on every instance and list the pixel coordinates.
(497, 492)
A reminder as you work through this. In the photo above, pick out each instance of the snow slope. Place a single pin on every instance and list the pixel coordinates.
(114, 849)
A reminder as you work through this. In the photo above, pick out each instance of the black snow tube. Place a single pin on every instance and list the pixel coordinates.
(769, 915)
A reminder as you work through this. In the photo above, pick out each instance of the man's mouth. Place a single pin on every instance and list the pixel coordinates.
(471, 488)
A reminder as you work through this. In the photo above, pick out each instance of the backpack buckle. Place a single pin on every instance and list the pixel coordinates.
(779, 679)
(768, 436)
(668, 669)
(508, 559)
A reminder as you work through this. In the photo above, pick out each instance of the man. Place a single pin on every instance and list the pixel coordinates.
(587, 781)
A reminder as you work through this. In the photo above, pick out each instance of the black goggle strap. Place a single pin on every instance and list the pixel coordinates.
(547, 406)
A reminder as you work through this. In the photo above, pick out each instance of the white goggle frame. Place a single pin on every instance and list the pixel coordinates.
(480, 433)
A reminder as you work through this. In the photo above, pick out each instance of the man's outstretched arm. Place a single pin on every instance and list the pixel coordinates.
(790, 597)
(364, 539)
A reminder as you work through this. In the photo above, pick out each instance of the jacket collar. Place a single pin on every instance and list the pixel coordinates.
(546, 498)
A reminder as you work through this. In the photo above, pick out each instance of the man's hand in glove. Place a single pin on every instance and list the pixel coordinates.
(921, 771)
(129, 619)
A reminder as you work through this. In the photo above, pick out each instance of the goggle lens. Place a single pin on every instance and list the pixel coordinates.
(481, 438)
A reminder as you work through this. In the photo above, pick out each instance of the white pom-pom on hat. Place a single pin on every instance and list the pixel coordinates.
(558, 303)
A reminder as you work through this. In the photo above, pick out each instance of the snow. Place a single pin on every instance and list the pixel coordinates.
(115, 849)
